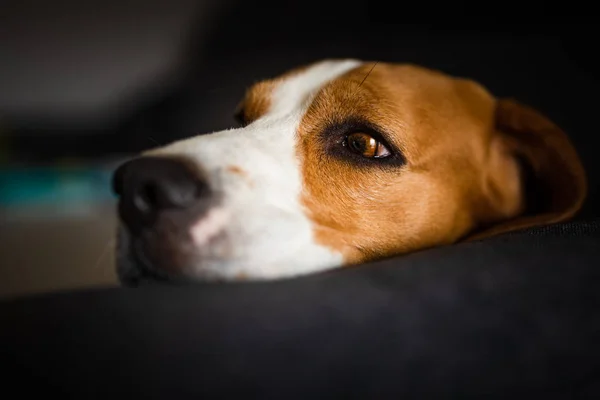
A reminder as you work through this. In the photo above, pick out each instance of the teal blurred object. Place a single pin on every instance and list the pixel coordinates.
(55, 186)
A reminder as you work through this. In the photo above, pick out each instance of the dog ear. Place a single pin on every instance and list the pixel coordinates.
(539, 165)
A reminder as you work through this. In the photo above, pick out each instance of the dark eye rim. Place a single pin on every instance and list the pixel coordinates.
(240, 117)
(336, 135)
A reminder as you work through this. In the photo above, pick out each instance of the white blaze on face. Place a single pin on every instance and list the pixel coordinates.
(262, 227)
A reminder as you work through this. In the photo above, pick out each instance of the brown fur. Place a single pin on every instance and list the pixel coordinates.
(461, 174)
(256, 102)
(234, 169)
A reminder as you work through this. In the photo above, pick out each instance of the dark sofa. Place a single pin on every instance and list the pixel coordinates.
(507, 316)
(512, 316)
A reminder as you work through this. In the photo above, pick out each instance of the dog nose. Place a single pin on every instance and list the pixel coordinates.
(148, 186)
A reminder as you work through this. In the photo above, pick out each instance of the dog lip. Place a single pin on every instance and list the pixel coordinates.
(134, 268)
(137, 272)
(144, 265)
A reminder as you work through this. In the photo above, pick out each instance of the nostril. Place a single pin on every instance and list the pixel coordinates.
(160, 193)
(147, 186)
(147, 198)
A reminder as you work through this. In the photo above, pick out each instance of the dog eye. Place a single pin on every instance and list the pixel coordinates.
(240, 117)
(366, 146)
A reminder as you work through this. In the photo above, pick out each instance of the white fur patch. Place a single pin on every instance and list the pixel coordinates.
(266, 233)
(295, 94)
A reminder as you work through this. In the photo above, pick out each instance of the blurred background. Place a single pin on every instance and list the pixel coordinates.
(86, 84)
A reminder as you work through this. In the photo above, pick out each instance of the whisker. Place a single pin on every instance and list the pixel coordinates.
(368, 73)
(110, 245)
(153, 140)
(363, 81)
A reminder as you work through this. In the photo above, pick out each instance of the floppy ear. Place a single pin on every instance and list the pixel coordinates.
(551, 183)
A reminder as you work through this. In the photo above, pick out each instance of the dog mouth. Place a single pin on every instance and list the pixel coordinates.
(171, 251)
(133, 268)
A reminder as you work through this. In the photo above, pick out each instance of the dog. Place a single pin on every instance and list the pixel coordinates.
(339, 163)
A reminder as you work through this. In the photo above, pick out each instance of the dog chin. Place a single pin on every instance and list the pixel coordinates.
(207, 254)
(139, 261)
(134, 268)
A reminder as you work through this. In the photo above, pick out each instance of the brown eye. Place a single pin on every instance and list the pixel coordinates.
(366, 145)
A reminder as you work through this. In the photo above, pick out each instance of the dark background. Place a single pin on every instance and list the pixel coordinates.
(122, 71)
(89, 83)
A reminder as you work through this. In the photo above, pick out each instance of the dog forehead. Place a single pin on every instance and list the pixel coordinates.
(297, 89)
(420, 109)
(293, 90)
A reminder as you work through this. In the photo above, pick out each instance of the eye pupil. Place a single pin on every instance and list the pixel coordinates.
(363, 144)
(357, 144)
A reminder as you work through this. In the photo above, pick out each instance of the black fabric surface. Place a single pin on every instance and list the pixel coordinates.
(515, 315)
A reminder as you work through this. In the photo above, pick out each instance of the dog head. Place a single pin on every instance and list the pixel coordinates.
(339, 163)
